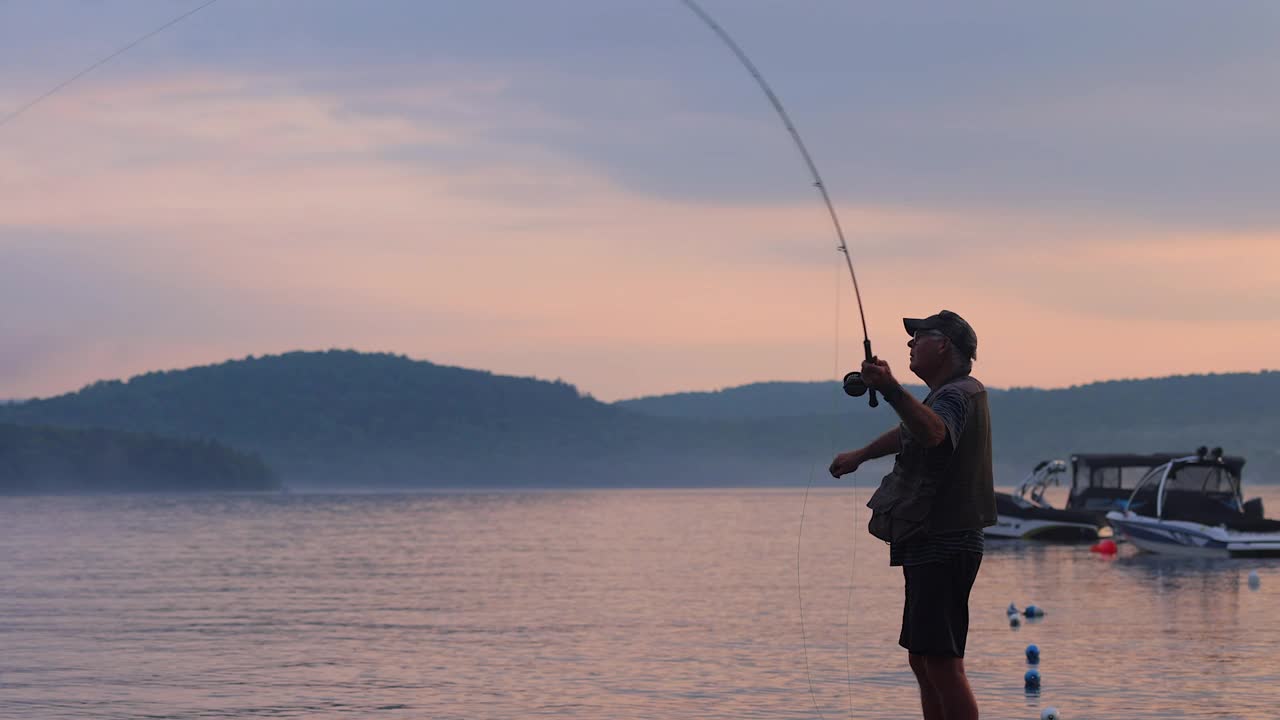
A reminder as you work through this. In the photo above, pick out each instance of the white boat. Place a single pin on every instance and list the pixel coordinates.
(1193, 506)
(1027, 515)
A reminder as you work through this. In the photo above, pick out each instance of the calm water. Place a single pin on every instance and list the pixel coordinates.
(610, 604)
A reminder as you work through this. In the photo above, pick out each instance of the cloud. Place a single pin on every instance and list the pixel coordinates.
(601, 194)
(1066, 109)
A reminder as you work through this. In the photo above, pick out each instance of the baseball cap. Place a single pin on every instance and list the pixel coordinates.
(954, 327)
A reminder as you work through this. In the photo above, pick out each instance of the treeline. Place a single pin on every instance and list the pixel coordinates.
(1200, 398)
(1234, 410)
(67, 460)
(348, 419)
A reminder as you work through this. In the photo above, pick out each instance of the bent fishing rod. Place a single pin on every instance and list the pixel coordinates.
(853, 384)
(852, 381)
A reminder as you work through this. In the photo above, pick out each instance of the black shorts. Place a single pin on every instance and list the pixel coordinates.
(935, 616)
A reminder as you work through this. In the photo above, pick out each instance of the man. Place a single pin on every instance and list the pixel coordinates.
(944, 446)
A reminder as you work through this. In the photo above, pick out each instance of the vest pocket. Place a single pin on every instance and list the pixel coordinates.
(899, 509)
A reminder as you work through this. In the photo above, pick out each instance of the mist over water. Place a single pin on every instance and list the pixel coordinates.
(581, 604)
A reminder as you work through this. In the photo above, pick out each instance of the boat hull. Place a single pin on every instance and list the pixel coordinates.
(1190, 539)
(1011, 527)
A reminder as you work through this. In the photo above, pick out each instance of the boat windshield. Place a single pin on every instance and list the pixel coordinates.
(1209, 479)
(1192, 490)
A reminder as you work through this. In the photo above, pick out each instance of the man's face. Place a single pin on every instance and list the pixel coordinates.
(928, 352)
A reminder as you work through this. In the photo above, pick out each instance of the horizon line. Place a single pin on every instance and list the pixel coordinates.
(586, 393)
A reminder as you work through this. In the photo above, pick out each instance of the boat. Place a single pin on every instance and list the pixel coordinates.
(1025, 514)
(1194, 506)
(1102, 482)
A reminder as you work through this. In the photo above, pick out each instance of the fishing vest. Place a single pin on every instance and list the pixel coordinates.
(962, 487)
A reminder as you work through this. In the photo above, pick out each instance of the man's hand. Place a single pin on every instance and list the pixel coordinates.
(877, 375)
(845, 463)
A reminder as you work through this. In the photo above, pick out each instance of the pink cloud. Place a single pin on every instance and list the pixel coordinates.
(242, 187)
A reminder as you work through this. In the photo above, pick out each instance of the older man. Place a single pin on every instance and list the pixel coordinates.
(943, 448)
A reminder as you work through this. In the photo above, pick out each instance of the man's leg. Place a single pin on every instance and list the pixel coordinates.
(930, 701)
(946, 677)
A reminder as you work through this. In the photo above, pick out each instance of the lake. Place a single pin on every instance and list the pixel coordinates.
(582, 604)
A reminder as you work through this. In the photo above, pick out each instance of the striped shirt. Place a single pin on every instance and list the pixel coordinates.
(941, 547)
(953, 406)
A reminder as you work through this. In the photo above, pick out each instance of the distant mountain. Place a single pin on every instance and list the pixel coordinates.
(348, 419)
(376, 420)
(1235, 410)
(61, 460)
(757, 401)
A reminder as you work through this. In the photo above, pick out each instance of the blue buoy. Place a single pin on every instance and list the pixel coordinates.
(1050, 713)
(1032, 679)
(1033, 654)
(1033, 611)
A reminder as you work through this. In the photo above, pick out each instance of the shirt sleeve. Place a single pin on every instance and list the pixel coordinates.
(952, 405)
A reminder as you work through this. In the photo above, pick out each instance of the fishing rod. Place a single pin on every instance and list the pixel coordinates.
(13, 114)
(852, 381)
(853, 384)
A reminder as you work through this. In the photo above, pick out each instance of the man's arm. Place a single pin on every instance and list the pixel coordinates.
(924, 423)
(887, 444)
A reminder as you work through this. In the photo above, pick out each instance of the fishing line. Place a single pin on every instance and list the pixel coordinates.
(843, 248)
(804, 504)
(853, 487)
(804, 644)
(132, 44)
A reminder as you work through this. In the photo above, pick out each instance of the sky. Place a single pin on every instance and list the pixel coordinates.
(596, 191)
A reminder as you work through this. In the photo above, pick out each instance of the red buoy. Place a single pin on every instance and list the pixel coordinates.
(1106, 547)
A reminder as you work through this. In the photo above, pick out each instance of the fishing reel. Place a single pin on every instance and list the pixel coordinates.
(853, 385)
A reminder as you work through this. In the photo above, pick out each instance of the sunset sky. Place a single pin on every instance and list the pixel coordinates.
(596, 191)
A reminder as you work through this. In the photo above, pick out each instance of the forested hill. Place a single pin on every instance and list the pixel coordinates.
(50, 460)
(1232, 397)
(313, 400)
(378, 420)
(757, 401)
(355, 420)
(1234, 410)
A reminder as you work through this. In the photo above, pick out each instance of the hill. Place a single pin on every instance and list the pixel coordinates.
(61, 460)
(348, 419)
(342, 418)
(1233, 410)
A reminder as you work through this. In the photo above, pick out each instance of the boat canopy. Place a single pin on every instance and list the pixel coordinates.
(1199, 490)
(1123, 471)
(1205, 477)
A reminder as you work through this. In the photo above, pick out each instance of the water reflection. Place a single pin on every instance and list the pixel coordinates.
(582, 605)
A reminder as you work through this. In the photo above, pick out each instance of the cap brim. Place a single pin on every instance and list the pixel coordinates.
(914, 324)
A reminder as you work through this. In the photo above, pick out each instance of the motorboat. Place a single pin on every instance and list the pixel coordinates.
(1026, 514)
(1194, 506)
(1102, 482)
